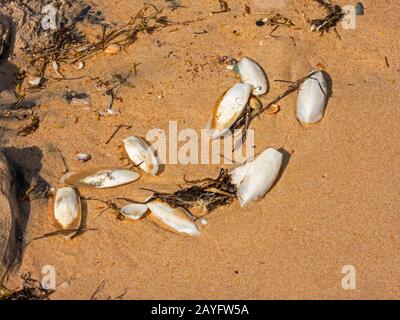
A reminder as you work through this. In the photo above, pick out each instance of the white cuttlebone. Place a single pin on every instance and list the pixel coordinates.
(253, 179)
(67, 210)
(174, 219)
(134, 211)
(228, 109)
(312, 98)
(142, 154)
(251, 72)
(100, 179)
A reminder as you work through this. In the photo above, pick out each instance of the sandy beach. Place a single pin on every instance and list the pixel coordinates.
(335, 204)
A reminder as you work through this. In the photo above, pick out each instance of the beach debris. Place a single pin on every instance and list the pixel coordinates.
(112, 48)
(312, 98)
(69, 46)
(254, 178)
(334, 14)
(142, 154)
(250, 72)
(56, 69)
(249, 114)
(275, 108)
(83, 157)
(32, 289)
(134, 211)
(100, 179)
(203, 221)
(78, 65)
(255, 103)
(206, 194)
(175, 4)
(119, 127)
(223, 7)
(35, 81)
(177, 220)
(9, 214)
(359, 8)
(67, 211)
(39, 188)
(31, 126)
(75, 98)
(228, 108)
(275, 21)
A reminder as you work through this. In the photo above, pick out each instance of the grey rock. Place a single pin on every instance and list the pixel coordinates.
(8, 215)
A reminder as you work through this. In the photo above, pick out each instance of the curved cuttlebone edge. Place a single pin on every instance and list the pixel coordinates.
(76, 178)
(252, 73)
(149, 149)
(76, 221)
(312, 99)
(134, 211)
(214, 133)
(176, 220)
(255, 178)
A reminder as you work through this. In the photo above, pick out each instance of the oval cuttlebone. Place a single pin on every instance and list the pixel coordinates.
(176, 220)
(228, 109)
(254, 178)
(100, 179)
(134, 211)
(142, 154)
(251, 72)
(67, 211)
(312, 98)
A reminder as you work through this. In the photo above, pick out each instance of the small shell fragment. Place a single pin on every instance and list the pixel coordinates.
(250, 72)
(312, 98)
(134, 211)
(35, 81)
(274, 108)
(67, 210)
(112, 48)
(228, 109)
(253, 179)
(142, 154)
(78, 65)
(100, 179)
(83, 157)
(177, 220)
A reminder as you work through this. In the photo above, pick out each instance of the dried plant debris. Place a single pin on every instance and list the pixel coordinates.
(335, 14)
(175, 4)
(39, 188)
(223, 7)
(28, 16)
(275, 21)
(31, 289)
(31, 126)
(76, 98)
(207, 194)
(69, 47)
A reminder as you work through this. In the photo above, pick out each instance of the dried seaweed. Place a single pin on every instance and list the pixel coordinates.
(207, 194)
(31, 289)
(335, 14)
(69, 47)
(275, 21)
(30, 127)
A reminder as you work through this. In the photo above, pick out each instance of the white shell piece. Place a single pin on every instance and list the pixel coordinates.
(312, 98)
(256, 177)
(250, 72)
(142, 154)
(67, 209)
(173, 219)
(228, 109)
(134, 211)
